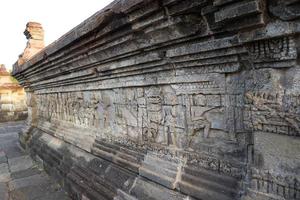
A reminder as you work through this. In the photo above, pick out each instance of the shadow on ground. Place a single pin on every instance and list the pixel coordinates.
(20, 177)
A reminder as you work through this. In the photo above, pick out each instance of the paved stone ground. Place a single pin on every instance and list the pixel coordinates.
(20, 177)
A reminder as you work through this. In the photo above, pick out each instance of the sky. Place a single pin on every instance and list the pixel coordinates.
(56, 16)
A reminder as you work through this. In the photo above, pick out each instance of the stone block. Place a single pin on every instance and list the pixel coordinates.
(20, 163)
(35, 180)
(4, 191)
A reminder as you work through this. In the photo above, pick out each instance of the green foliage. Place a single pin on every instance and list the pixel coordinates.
(14, 80)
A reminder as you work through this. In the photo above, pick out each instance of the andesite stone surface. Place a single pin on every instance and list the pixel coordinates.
(171, 99)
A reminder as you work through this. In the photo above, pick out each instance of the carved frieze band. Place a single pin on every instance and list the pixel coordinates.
(274, 52)
(287, 187)
(274, 113)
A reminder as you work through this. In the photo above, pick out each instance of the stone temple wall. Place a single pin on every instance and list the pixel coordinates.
(169, 100)
(12, 98)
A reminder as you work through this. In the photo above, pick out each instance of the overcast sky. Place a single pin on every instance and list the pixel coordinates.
(56, 16)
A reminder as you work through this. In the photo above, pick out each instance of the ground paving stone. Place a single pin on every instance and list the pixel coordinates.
(25, 173)
(35, 180)
(3, 159)
(3, 191)
(36, 191)
(20, 163)
(20, 177)
(14, 151)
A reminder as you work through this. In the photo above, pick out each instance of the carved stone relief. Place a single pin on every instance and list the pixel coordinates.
(284, 9)
(271, 112)
(166, 115)
(281, 48)
(180, 93)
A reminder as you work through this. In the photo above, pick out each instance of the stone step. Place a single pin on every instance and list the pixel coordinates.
(121, 195)
(122, 149)
(159, 170)
(96, 188)
(211, 175)
(218, 187)
(202, 193)
(128, 161)
(205, 184)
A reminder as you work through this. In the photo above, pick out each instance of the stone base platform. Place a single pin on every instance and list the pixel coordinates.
(111, 172)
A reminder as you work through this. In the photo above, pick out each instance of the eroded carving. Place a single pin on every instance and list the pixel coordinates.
(285, 9)
(274, 113)
(275, 49)
(287, 187)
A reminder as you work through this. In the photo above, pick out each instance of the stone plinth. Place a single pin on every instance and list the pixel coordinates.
(171, 99)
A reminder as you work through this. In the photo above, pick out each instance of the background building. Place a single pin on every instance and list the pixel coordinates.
(12, 98)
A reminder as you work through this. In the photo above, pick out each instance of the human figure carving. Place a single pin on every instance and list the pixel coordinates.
(201, 122)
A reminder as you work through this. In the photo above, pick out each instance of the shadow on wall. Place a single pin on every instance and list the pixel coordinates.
(12, 98)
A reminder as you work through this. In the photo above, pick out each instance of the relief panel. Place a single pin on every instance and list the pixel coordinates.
(179, 115)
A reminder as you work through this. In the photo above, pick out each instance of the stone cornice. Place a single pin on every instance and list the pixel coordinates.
(88, 52)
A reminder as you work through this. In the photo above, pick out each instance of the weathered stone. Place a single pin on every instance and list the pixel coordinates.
(20, 179)
(35, 34)
(285, 9)
(3, 191)
(20, 163)
(13, 151)
(170, 100)
(4, 173)
(25, 173)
